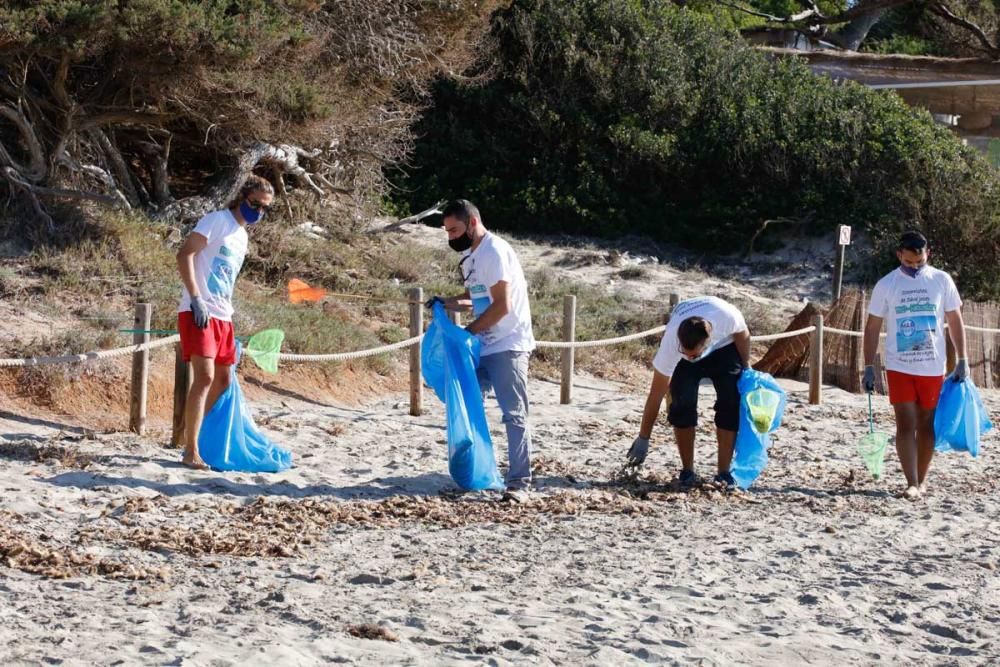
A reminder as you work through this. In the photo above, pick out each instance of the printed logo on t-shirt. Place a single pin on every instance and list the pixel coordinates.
(916, 333)
(225, 267)
(480, 299)
(923, 307)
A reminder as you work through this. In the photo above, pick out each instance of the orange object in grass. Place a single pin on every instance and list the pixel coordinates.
(300, 292)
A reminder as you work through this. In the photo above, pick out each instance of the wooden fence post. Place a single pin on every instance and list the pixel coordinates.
(140, 369)
(181, 382)
(838, 272)
(569, 335)
(816, 362)
(455, 317)
(416, 328)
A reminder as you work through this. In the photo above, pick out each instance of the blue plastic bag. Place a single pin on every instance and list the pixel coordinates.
(751, 446)
(449, 359)
(229, 439)
(960, 419)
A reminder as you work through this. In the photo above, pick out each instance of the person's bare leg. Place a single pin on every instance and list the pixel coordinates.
(202, 373)
(925, 445)
(685, 446)
(220, 382)
(727, 442)
(906, 446)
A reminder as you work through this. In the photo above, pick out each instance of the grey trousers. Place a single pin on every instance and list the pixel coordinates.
(507, 374)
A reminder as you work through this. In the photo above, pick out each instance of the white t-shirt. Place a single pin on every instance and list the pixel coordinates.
(725, 318)
(492, 261)
(913, 309)
(217, 264)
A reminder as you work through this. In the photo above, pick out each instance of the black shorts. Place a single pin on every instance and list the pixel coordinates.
(723, 367)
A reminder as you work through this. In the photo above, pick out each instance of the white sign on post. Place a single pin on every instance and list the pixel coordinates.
(845, 235)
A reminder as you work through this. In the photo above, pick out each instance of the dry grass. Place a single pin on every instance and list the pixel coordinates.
(116, 260)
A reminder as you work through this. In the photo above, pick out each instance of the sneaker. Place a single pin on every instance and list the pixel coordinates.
(688, 478)
(517, 495)
(726, 479)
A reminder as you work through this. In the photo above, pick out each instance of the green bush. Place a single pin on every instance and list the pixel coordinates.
(635, 116)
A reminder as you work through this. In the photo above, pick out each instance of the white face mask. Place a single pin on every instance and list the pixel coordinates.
(701, 355)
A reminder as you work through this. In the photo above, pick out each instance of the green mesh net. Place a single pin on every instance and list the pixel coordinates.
(264, 347)
(872, 446)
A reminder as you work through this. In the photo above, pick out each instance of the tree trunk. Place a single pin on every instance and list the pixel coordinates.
(854, 33)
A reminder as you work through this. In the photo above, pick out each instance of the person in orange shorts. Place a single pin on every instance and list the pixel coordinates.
(209, 261)
(914, 301)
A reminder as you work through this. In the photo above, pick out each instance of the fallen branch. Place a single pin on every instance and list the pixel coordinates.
(36, 170)
(17, 183)
(764, 226)
(15, 178)
(409, 220)
(286, 158)
(102, 175)
(814, 17)
(117, 165)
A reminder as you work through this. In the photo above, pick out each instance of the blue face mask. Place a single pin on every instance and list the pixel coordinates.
(250, 214)
(910, 271)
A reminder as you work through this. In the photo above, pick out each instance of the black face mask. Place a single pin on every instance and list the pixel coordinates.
(462, 243)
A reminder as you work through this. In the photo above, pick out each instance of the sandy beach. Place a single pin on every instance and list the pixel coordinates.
(179, 175)
(364, 553)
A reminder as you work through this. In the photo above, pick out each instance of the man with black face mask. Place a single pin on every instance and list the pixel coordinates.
(497, 294)
(914, 300)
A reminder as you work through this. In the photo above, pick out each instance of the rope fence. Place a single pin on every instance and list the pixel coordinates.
(348, 356)
(97, 355)
(602, 342)
(375, 351)
(861, 334)
(139, 352)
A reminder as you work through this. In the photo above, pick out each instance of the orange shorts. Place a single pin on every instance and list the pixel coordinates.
(923, 390)
(215, 341)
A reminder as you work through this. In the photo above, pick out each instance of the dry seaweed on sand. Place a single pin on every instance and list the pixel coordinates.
(372, 631)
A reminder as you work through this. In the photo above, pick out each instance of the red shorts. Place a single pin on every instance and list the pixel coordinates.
(215, 341)
(923, 390)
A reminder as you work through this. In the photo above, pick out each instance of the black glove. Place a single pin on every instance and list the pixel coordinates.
(431, 301)
(961, 371)
(638, 451)
(869, 379)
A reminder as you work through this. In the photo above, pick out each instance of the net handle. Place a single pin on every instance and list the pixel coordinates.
(871, 421)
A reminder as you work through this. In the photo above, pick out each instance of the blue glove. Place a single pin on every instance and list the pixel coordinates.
(637, 452)
(961, 371)
(199, 312)
(869, 380)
